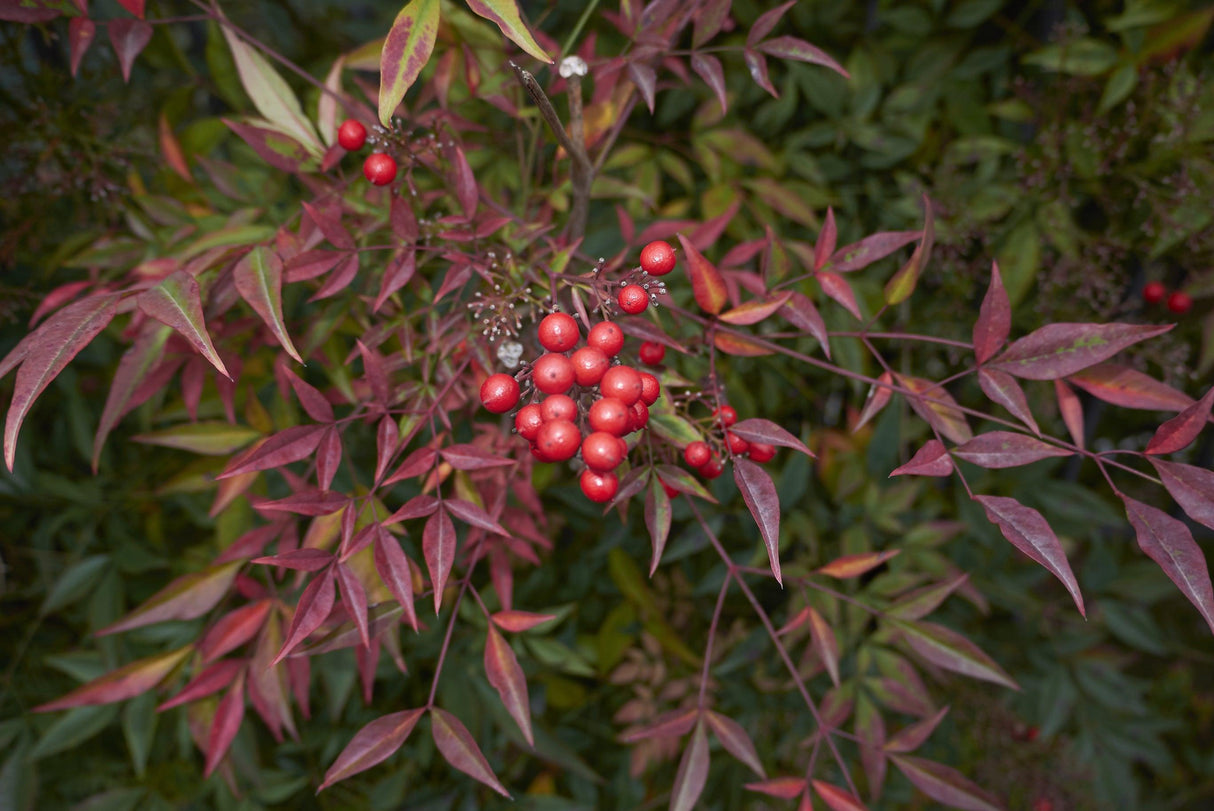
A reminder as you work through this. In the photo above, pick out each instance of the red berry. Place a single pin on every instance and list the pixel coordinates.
(651, 353)
(726, 415)
(606, 336)
(670, 491)
(762, 452)
(589, 365)
(623, 383)
(651, 389)
(633, 299)
(697, 454)
(601, 451)
(558, 440)
(380, 169)
(538, 454)
(499, 393)
(552, 373)
(1180, 303)
(558, 407)
(599, 487)
(736, 444)
(657, 258)
(351, 135)
(610, 415)
(558, 332)
(528, 421)
(640, 415)
(1154, 292)
(714, 468)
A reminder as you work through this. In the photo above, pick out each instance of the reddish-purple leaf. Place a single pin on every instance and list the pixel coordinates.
(848, 566)
(506, 676)
(340, 279)
(1192, 487)
(707, 284)
(684, 482)
(827, 239)
(1003, 389)
(999, 449)
(470, 457)
(878, 397)
(311, 264)
(289, 445)
(458, 748)
(403, 221)
(1129, 388)
(740, 345)
(759, 493)
(935, 405)
(1168, 542)
(735, 740)
(258, 279)
(706, 234)
(233, 630)
(61, 295)
(516, 621)
(328, 220)
(930, 460)
(419, 506)
(994, 319)
(398, 273)
(134, 368)
(645, 78)
(228, 717)
(170, 150)
(948, 649)
(1027, 530)
(438, 546)
(672, 724)
(709, 19)
(838, 289)
(355, 598)
(126, 682)
(825, 644)
(275, 148)
(902, 284)
(505, 14)
(944, 784)
(1071, 410)
(328, 457)
(784, 788)
(314, 606)
(267, 684)
(765, 22)
(799, 50)
(1059, 350)
(911, 737)
(387, 438)
(307, 502)
(406, 51)
(1178, 432)
(837, 799)
(860, 255)
(310, 398)
(921, 602)
(24, 11)
(708, 68)
(692, 775)
(81, 32)
(211, 680)
(752, 312)
(133, 6)
(177, 302)
(657, 520)
(802, 314)
(187, 597)
(394, 570)
(373, 744)
(473, 515)
(129, 38)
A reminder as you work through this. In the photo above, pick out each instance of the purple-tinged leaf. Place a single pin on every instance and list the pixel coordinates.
(938, 408)
(387, 439)
(373, 744)
(860, 255)
(211, 680)
(657, 520)
(271, 95)
(707, 284)
(81, 32)
(504, 13)
(506, 676)
(1192, 487)
(340, 279)
(645, 78)
(921, 602)
(846, 567)
(1027, 530)
(228, 717)
(415, 464)
(759, 493)
(277, 149)
(708, 68)
(328, 457)
(672, 724)
(735, 740)
(133, 370)
(289, 445)
(267, 684)
(60, 296)
(170, 150)
(458, 748)
(517, 621)
(756, 63)
(837, 799)
(1129, 388)
(355, 598)
(24, 11)
(765, 22)
(684, 482)
(783, 788)
(133, 6)
(311, 264)
(258, 279)
(126, 682)
(474, 516)
(177, 302)
(187, 597)
(739, 345)
(911, 737)
(407, 49)
(692, 775)
(1059, 350)
(129, 38)
(471, 457)
(902, 284)
(1168, 542)
(999, 449)
(706, 234)
(438, 546)
(944, 784)
(314, 606)
(307, 502)
(802, 314)
(419, 506)
(328, 220)
(827, 239)
(799, 50)
(1071, 410)
(930, 460)
(1003, 389)
(394, 570)
(709, 19)
(948, 649)
(466, 191)
(233, 630)
(313, 402)
(1178, 432)
(994, 319)
(825, 644)
(837, 288)
(752, 312)
(398, 273)
(878, 398)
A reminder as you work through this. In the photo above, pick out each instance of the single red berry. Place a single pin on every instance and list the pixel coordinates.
(651, 353)
(651, 389)
(558, 440)
(499, 393)
(736, 444)
(610, 415)
(539, 454)
(558, 407)
(601, 451)
(726, 415)
(351, 135)
(640, 415)
(623, 446)
(606, 336)
(528, 421)
(623, 383)
(633, 299)
(670, 491)
(657, 258)
(1180, 303)
(714, 468)
(589, 365)
(697, 454)
(1154, 292)
(379, 168)
(599, 487)
(552, 373)
(762, 452)
(558, 332)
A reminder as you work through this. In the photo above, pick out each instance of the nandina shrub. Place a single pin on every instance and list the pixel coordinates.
(335, 355)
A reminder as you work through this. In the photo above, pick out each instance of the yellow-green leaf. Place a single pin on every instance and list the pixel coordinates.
(406, 51)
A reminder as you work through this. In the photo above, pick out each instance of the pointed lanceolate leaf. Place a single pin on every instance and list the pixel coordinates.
(129, 38)
(1027, 530)
(1003, 389)
(657, 520)
(310, 398)
(187, 597)
(740, 345)
(707, 284)
(692, 775)
(838, 289)
(735, 741)
(910, 738)
(314, 606)
(125, 682)
(270, 93)
(1071, 410)
(994, 319)
(765, 23)
(373, 744)
(506, 676)
(902, 283)
(211, 680)
(1168, 542)
(784, 788)
(935, 405)
(825, 644)
(80, 35)
(133, 370)
(233, 630)
(878, 397)
(134, 6)
(860, 255)
(394, 570)
(1178, 432)
(752, 312)
(945, 785)
(930, 460)
(759, 493)
(177, 302)
(355, 598)
(923, 601)
(837, 799)
(289, 445)
(1192, 487)
(946, 648)
(999, 449)
(474, 516)
(458, 748)
(1129, 388)
(518, 621)
(228, 717)
(258, 278)
(505, 14)
(757, 429)
(672, 724)
(849, 566)
(438, 546)
(708, 68)
(801, 313)
(204, 438)
(797, 49)
(1058, 350)
(471, 457)
(407, 49)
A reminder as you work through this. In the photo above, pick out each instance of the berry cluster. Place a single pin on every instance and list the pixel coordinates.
(379, 168)
(706, 459)
(1178, 301)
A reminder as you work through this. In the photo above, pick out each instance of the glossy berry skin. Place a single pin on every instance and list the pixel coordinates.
(606, 336)
(589, 365)
(1154, 292)
(558, 440)
(599, 487)
(558, 332)
(670, 491)
(640, 415)
(499, 393)
(610, 415)
(558, 407)
(552, 373)
(601, 451)
(713, 469)
(657, 258)
(351, 135)
(528, 421)
(1180, 303)
(726, 414)
(651, 353)
(736, 444)
(762, 452)
(380, 169)
(633, 299)
(622, 383)
(651, 389)
(697, 454)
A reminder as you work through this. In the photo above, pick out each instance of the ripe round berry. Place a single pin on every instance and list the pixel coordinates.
(351, 135)
(606, 336)
(499, 393)
(714, 468)
(558, 407)
(670, 491)
(640, 415)
(651, 353)
(599, 487)
(552, 373)
(1154, 292)
(726, 415)
(589, 365)
(762, 452)
(736, 444)
(538, 454)
(651, 389)
(558, 440)
(380, 169)
(633, 299)
(558, 332)
(697, 454)
(601, 451)
(657, 258)
(1180, 303)
(528, 421)
(610, 415)
(623, 383)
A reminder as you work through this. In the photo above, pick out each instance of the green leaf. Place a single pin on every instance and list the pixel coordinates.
(407, 49)
(946, 648)
(1117, 89)
(206, 438)
(258, 277)
(73, 729)
(139, 727)
(505, 14)
(177, 302)
(75, 582)
(1080, 57)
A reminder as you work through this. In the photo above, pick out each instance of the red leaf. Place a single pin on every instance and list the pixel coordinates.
(709, 19)
(848, 566)
(258, 279)
(373, 744)
(1168, 542)
(417, 507)
(911, 737)
(290, 445)
(878, 397)
(187, 597)
(328, 220)
(394, 570)
(126, 682)
(459, 749)
(994, 319)
(921, 602)
(827, 237)
(211, 680)
(938, 408)
(516, 621)
(1003, 389)
(355, 599)
(129, 38)
(785, 788)
(328, 457)
(21, 11)
(759, 493)
(752, 312)
(470, 457)
(308, 502)
(81, 32)
(1178, 432)
(1192, 487)
(837, 799)
(657, 520)
(506, 676)
(1071, 410)
(387, 439)
(708, 68)
(465, 184)
(133, 6)
(419, 462)
(707, 284)
(672, 724)
(1027, 530)
(930, 460)
(438, 546)
(692, 775)
(999, 449)
(233, 630)
(801, 51)
(860, 255)
(303, 560)
(314, 606)
(945, 785)
(224, 726)
(735, 740)
(473, 515)
(765, 22)
(313, 402)
(396, 275)
(406, 51)
(134, 369)
(948, 649)
(1059, 350)
(267, 684)
(1130, 388)
(177, 302)
(645, 78)
(341, 277)
(739, 345)
(902, 284)
(825, 644)
(312, 264)
(838, 289)
(802, 314)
